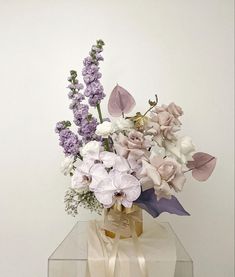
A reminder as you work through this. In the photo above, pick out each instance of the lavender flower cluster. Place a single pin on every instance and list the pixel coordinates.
(86, 122)
(91, 75)
(68, 140)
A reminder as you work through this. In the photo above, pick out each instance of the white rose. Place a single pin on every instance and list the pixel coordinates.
(157, 150)
(104, 129)
(91, 148)
(186, 145)
(123, 124)
(67, 165)
(182, 150)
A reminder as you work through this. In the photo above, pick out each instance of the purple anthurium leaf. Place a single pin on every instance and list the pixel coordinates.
(148, 201)
(120, 102)
(202, 166)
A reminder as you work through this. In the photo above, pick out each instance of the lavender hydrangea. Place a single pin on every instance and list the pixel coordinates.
(91, 75)
(68, 140)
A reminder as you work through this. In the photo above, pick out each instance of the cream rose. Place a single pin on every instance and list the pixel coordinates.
(175, 110)
(182, 149)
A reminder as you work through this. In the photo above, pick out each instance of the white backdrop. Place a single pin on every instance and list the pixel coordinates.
(183, 50)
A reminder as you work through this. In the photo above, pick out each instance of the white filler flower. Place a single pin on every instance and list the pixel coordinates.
(92, 148)
(104, 129)
(123, 124)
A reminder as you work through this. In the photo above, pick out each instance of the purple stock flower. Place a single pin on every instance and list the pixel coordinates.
(82, 118)
(68, 140)
(91, 75)
(85, 122)
(88, 128)
(59, 127)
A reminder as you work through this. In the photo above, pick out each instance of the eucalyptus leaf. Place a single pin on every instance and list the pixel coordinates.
(202, 166)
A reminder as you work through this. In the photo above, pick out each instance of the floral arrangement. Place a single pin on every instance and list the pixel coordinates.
(136, 159)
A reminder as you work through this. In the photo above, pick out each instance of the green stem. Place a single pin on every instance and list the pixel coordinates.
(106, 144)
(148, 110)
(106, 140)
(99, 113)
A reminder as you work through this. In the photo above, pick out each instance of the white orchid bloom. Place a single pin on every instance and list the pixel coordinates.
(87, 175)
(81, 178)
(117, 187)
(93, 168)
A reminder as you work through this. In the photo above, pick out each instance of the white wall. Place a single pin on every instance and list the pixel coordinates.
(183, 50)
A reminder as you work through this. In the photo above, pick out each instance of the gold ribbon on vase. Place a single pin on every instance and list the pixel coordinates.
(119, 223)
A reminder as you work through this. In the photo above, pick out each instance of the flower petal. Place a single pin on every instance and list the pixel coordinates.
(104, 191)
(77, 180)
(155, 160)
(126, 203)
(152, 173)
(108, 158)
(163, 191)
(131, 187)
(121, 164)
(178, 182)
(98, 173)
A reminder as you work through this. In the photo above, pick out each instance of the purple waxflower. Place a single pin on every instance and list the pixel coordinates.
(91, 75)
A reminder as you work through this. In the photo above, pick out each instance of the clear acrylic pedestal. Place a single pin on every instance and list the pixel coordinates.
(70, 257)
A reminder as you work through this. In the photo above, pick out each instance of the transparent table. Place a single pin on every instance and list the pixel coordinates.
(70, 259)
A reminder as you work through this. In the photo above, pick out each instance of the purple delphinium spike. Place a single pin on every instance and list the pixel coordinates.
(68, 140)
(91, 75)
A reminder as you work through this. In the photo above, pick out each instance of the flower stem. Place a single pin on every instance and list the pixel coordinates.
(148, 110)
(99, 113)
(106, 144)
(106, 140)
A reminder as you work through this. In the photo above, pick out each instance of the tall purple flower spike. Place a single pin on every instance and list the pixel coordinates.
(202, 166)
(149, 203)
(120, 102)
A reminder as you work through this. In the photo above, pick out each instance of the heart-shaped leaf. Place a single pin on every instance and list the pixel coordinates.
(202, 166)
(120, 102)
(148, 201)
